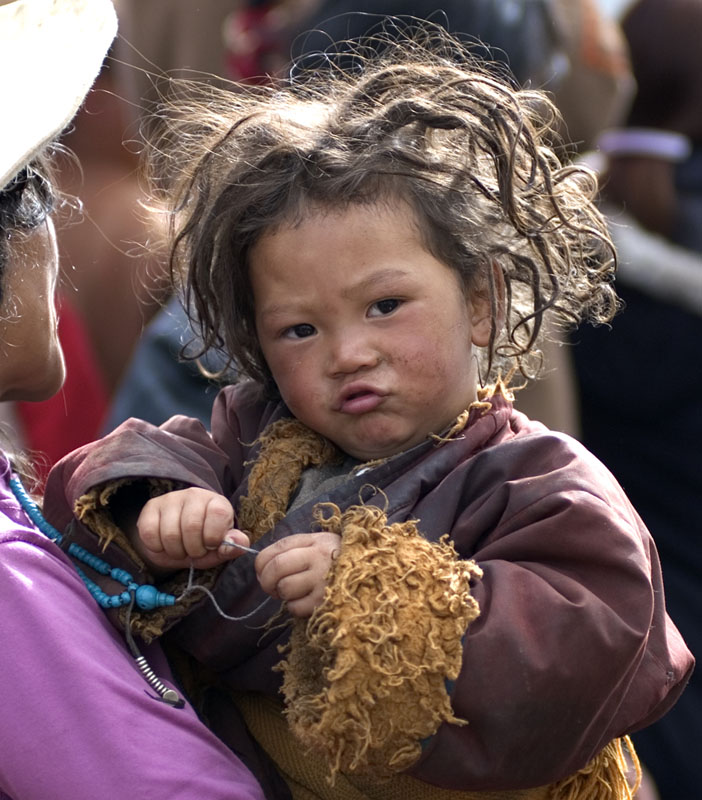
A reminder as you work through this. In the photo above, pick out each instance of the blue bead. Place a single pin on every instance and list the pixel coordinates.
(88, 558)
(32, 510)
(148, 597)
(121, 575)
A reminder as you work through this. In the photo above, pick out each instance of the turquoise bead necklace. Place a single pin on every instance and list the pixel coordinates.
(146, 596)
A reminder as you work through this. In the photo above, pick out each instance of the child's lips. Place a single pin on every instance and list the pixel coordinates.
(360, 400)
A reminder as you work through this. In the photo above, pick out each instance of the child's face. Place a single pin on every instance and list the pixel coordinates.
(367, 335)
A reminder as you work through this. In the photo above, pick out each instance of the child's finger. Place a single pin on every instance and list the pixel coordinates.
(173, 539)
(203, 519)
(148, 527)
(304, 606)
(159, 526)
(296, 541)
(302, 593)
(235, 543)
(218, 520)
(283, 565)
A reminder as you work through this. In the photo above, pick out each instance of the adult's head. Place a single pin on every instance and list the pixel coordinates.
(50, 53)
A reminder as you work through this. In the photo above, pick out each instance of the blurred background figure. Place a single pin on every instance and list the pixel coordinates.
(158, 382)
(568, 47)
(644, 372)
(212, 41)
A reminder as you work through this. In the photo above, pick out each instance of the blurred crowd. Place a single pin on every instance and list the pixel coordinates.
(627, 80)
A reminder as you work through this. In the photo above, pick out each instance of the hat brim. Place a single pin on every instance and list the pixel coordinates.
(50, 54)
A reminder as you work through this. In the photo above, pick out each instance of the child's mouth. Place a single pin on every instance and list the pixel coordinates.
(360, 402)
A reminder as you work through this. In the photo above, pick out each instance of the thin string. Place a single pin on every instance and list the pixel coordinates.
(131, 644)
(196, 587)
(238, 546)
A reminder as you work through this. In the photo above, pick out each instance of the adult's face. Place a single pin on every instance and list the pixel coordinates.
(31, 360)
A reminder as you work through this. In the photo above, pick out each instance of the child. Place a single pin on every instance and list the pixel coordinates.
(78, 720)
(370, 249)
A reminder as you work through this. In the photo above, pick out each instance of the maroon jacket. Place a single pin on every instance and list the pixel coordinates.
(572, 647)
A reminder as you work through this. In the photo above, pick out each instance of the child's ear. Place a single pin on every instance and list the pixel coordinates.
(486, 306)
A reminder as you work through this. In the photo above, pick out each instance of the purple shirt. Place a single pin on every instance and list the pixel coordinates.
(77, 720)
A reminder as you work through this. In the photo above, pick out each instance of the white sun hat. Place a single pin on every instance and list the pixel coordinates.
(50, 53)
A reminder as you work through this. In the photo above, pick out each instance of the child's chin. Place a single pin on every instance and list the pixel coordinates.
(374, 449)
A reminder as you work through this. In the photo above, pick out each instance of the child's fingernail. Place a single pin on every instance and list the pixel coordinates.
(232, 543)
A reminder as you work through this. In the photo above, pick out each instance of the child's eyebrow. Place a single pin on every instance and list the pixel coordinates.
(374, 281)
(381, 276)
(368, 283)
(273, 310)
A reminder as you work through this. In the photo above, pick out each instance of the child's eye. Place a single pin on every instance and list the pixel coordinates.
(301, 331)
(383, 307)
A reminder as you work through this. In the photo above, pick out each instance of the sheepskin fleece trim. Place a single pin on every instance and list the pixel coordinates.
(92, 509)
(287, 448)
(364, 679)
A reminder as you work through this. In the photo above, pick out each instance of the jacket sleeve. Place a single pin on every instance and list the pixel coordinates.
(180, 451)
(573, 646)
(99, 482)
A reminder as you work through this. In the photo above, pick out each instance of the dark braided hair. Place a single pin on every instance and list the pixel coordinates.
(421, 122)
(25, 203)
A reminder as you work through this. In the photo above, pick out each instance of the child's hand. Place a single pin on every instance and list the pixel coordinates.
(295, 569)
(185, 527)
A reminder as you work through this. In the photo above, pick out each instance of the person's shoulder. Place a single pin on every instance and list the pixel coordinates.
(14, 524)
(240, 414)
(557, 462)
(27, 541)
(545, 447)
(246, 401)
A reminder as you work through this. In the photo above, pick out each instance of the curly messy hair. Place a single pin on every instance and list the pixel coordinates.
(418, 120)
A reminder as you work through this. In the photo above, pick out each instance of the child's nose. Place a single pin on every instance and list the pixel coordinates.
(350, 353)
